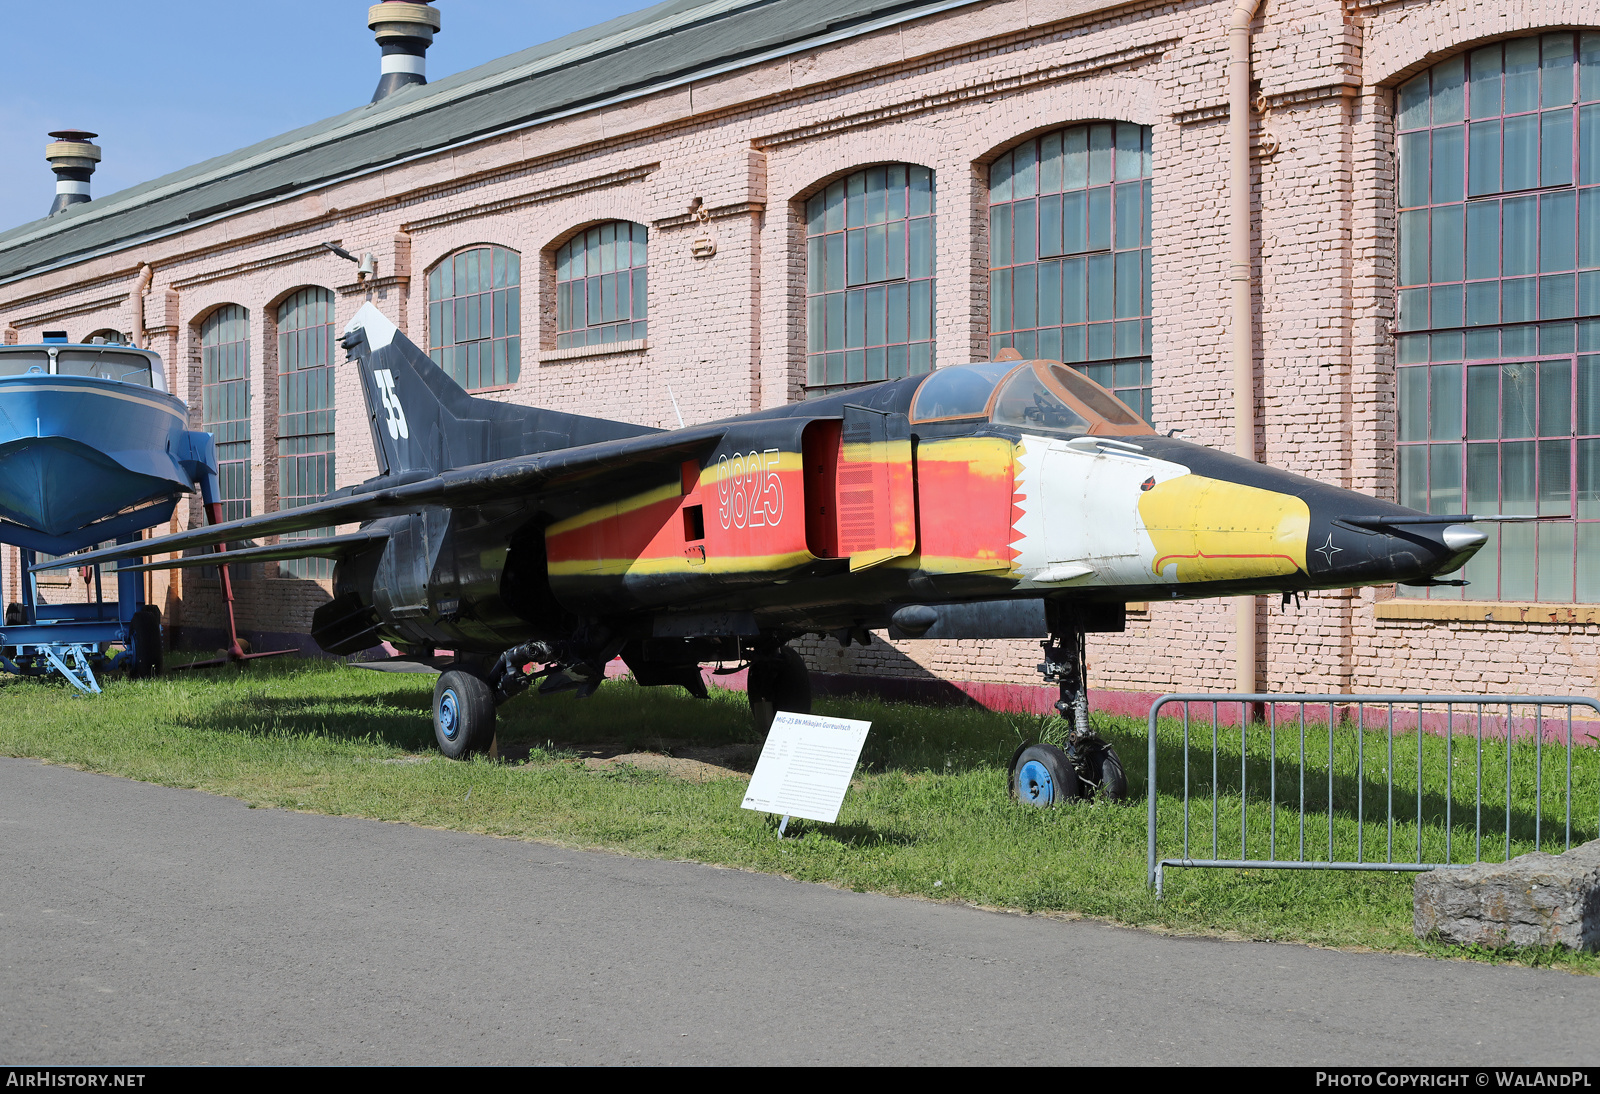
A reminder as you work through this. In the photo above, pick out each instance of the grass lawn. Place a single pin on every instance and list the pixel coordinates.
(928, 816)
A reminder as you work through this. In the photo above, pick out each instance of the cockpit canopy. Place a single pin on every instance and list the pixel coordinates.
(1035, 396)
(120, 363)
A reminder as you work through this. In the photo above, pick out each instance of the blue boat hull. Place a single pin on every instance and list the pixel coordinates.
(75, 449)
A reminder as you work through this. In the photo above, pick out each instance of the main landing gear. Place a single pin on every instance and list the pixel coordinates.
(1044, 775)
(778, 681)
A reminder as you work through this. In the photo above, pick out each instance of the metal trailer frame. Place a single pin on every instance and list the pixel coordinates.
(1267, 705)
(74, 640)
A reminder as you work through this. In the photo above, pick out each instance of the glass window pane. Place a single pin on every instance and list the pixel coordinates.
(1413, 476)
(1482, 306)
(1588, 581)
(1557, 231)
(1555, 398)
(1555, 478)
(1555, 562)
(1522, 75)
(1448, 244)
(1000, 179)
(1414, 247)
(1519, 235)
(1412, 386)
(1024, 179)
(1413, 103)
(1075, 158)
(1100, 168)
(1516, 478)
(1444, 478)
(1449, 90)
(1556, 298)
(1588, 66)
(1517, 384)
(1587, 403)
(1449, 164)
(1557, 65)
(1520, 162)
(1050, 225)
(1483, 478)
(1555, 148)
(1484, 157)
(1050, 163)
(1485, 89)
(1588, 499)
(1444, 412)
(1074, 222)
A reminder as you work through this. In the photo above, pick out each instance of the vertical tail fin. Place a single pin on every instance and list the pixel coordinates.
(412, 406)
(422, 420)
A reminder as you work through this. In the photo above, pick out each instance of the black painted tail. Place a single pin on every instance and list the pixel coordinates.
(423, 421)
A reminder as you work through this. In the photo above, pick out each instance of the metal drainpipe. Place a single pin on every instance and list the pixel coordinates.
(140, 290)
(1244, 410)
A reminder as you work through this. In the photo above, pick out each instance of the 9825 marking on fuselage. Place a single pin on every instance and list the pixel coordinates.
(749, 489)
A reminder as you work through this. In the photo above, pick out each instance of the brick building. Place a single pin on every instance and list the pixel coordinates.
(714, 207)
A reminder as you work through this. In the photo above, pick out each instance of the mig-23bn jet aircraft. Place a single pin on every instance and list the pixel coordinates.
(540, 545)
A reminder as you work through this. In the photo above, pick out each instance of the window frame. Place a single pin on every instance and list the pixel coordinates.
(500, 305)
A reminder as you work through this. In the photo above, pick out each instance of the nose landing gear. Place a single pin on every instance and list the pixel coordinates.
(1088, 766)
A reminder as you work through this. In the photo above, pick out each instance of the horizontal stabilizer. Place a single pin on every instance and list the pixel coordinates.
(324, 547)
(502, 480)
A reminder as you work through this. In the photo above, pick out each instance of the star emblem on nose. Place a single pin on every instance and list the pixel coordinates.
(1328, 550)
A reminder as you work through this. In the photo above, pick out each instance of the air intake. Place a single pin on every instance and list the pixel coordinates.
(72, 158)
(404, 32)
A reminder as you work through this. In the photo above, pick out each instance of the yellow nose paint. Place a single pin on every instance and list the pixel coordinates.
(1224, 531)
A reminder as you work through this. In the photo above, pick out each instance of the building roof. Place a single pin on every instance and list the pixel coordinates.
(627, 57)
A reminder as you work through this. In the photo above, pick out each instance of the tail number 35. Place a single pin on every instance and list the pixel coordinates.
(749, 488)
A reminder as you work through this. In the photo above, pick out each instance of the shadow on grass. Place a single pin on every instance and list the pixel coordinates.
(398, 718)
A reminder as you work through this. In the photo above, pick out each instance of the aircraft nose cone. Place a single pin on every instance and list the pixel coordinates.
(1462, 537)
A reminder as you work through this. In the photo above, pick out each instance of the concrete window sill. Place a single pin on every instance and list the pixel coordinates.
(550, 356)
(1486, 611)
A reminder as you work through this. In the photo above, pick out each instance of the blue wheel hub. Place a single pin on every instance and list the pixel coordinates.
(449, 714)
(1034, 784)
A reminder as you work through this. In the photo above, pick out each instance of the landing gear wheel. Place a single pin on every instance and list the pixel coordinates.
(779, 683)
(1041, 775)
(144, 644)
(463, 714)
(1102, 770)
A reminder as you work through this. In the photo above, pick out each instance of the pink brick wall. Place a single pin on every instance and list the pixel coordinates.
(949, 92)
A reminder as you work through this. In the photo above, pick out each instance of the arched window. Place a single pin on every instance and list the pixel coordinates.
(869, 278)
(1498, 353)
(106, 337)
(474, 317)
(1069, 254)
(305, 412)
(600, 286)
(225, 402)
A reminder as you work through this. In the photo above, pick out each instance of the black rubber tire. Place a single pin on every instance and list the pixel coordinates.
(779, 683)
(144, 644)
(1051, 782)
(1103, 771)
(463, 714)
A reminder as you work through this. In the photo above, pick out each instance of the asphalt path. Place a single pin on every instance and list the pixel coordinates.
(145, 925)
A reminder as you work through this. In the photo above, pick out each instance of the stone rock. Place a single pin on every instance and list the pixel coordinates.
(1537, 899)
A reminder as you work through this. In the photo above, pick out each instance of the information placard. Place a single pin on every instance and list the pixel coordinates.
(806, 766)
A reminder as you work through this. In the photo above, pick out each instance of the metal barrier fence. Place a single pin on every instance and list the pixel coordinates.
(1444, 785)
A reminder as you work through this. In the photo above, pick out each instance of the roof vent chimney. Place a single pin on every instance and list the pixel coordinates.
(72, 158)
(404, 31)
